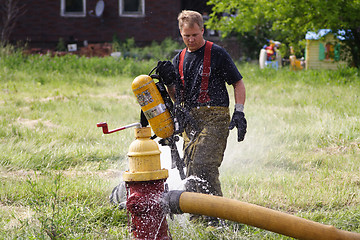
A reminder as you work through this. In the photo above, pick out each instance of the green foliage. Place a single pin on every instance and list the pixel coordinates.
(288, 21)
(116, 45)
(61, 45)
(244, 19)
(7, 50)
(165, 50)
(135, 61)
(76, 65)
(64, 208)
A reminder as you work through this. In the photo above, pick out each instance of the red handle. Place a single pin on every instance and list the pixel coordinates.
(106, 130)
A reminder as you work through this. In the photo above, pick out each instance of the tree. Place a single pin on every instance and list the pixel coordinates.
(244, 19)
(10, 11)
(289, 20)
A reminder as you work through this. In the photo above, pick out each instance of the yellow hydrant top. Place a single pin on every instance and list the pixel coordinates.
(144, 158)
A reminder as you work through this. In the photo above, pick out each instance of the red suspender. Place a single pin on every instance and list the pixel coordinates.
(181, 65)
(203, 96)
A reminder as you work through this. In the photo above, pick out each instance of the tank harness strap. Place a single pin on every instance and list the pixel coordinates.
(181, 65)
(203, 96)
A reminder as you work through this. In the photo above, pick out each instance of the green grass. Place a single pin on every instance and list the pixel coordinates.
(301, 154)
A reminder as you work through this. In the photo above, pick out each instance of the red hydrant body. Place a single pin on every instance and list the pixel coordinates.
(147, 214)
(145, 182)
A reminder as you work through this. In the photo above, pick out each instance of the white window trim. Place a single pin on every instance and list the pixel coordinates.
(65, 14)
(122, 14)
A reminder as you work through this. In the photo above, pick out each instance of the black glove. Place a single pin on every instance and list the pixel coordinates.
(238, 120)
(166, 70)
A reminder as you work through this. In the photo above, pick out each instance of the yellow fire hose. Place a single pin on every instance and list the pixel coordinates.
(257, 216)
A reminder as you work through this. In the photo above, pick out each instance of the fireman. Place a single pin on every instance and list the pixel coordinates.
(196, 80)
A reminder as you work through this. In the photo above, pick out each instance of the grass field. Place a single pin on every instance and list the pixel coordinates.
(301, 154)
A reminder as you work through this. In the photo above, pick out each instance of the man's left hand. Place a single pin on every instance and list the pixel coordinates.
(238, 120)
(166, 71)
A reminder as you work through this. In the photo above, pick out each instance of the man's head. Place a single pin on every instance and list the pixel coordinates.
(191, 27)
(189, 18)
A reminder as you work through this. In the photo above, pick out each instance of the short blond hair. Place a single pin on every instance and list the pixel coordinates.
(190, 18)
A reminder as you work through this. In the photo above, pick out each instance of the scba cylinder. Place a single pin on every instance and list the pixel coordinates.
(153, 106)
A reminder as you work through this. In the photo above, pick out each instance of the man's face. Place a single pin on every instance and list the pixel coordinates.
(192, 37)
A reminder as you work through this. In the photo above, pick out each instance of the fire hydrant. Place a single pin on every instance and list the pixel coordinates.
(145, 183)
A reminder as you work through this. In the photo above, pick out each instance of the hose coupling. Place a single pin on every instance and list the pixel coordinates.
(171, 202)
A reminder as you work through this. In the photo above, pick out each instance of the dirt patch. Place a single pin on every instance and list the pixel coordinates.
(47, 99)
(65, 99)
(112, 95)
(33, 123)
(105, 174)
(341, 149)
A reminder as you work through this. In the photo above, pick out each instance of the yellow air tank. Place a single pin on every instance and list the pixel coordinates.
(153, 106)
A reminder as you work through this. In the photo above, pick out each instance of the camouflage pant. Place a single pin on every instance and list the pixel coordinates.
(204, 155)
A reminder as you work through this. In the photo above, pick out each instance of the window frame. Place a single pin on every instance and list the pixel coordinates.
(72, 14)
(128, 14)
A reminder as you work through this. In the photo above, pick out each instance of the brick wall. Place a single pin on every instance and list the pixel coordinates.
(42, 24)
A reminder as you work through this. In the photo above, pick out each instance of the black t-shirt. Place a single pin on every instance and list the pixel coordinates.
(223, 70)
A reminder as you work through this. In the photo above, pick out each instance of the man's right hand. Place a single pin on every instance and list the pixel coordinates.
(166, 70)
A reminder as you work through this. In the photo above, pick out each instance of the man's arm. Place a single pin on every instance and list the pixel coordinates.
(239, 92)
(238, 119)
(172, 91)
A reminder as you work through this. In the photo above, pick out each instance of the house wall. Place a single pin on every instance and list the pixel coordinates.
(42, 24)
(312, 55)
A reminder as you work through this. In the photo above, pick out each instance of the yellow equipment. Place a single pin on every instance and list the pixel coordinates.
(254, 215)
(153, 106)
(144, 159)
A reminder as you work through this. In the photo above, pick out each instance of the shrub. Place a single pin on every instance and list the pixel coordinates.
(158, 51)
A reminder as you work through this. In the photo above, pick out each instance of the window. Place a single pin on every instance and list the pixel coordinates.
(329, 51)
(73, 8)
(132, 8)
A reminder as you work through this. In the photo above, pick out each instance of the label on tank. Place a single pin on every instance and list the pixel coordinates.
(155, 111)
(144, 98)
